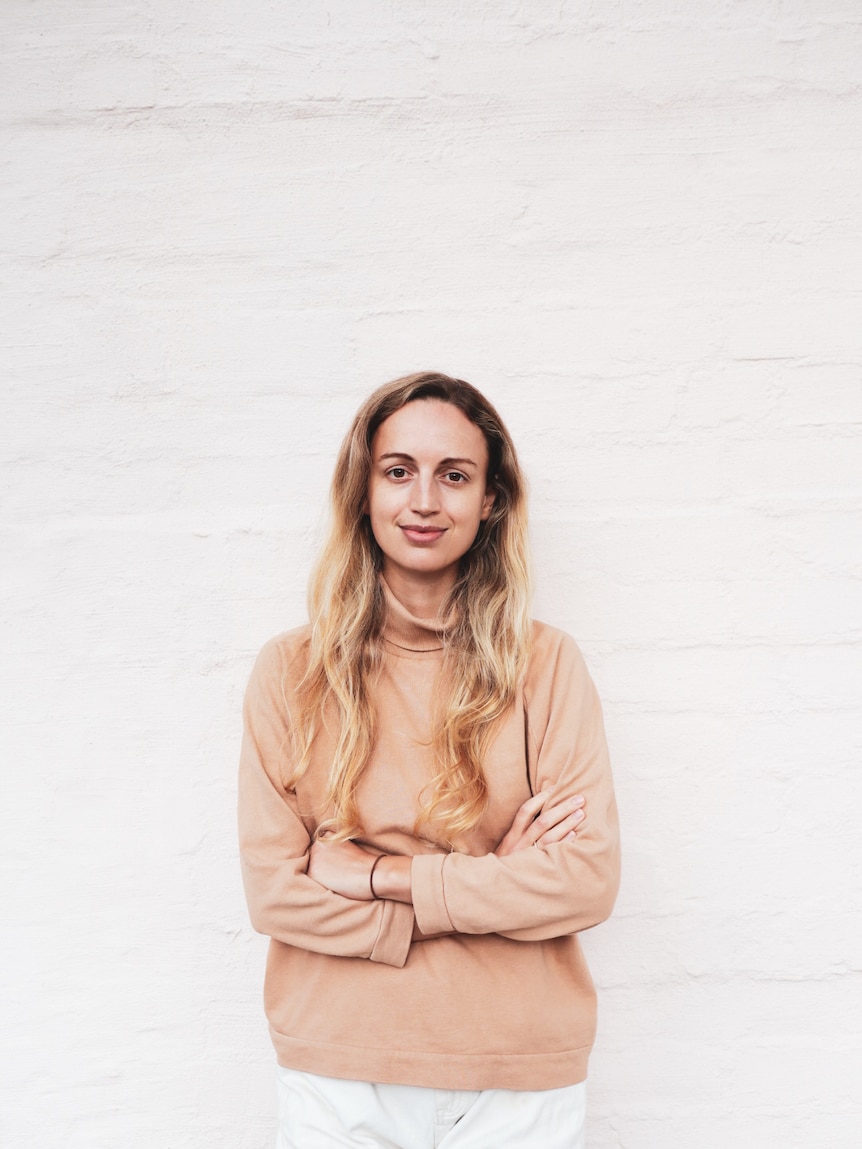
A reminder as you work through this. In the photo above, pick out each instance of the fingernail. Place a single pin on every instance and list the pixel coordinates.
(579, 816)
(570, 837)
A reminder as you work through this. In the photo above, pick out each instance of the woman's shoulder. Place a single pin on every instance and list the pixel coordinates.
(288, 641)
(553, 654)
(285, 654)
(549, 639)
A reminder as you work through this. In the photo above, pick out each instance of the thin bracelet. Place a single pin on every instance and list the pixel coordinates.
(374, 896)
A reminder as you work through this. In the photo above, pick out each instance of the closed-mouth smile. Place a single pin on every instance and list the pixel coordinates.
(422, 533)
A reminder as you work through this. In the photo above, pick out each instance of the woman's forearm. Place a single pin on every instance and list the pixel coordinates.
(392, 879)
(539, 821)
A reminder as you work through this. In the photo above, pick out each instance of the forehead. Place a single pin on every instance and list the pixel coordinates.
(430, 429)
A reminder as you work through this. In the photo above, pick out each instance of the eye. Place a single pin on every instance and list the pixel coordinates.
(397, 472)
(456, 477)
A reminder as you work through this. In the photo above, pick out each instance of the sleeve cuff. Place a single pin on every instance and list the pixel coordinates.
(392, 944)
(429, 899)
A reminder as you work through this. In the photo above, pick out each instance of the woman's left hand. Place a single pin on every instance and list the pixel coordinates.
(342, 867)
(543, 820)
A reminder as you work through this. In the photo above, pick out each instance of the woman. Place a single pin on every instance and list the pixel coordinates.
(427, 816)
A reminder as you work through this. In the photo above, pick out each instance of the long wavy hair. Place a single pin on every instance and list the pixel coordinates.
(486, 648)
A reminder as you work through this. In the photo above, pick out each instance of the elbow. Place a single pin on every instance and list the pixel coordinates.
(603, 905)
(604, 887)
(602, 854)
(265, 898)
(260, 914)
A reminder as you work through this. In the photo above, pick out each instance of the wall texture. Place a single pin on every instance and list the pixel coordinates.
(637, 226)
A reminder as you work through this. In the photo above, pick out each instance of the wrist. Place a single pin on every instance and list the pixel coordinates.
(390, 878)
(375, 896)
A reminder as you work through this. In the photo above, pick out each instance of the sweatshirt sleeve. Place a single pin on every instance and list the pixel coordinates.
(283, 901)
(545, 892)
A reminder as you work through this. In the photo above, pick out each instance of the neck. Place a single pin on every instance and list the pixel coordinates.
(421, 597)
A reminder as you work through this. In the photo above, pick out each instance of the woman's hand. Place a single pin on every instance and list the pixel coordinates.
(541, 821)
(342, 867)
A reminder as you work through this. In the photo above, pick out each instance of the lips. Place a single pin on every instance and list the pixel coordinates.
(421, 535)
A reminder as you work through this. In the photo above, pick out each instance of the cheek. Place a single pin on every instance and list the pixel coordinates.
(379, 503)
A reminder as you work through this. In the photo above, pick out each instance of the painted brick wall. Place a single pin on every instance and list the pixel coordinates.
(636, 225)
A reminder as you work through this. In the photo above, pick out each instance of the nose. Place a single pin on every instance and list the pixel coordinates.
(425, 500)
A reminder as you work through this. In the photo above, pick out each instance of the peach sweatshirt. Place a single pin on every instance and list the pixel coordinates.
(504, 999)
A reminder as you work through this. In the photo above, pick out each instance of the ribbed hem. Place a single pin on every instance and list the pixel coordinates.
(429, 899)
(392, 944)
(433, 1070)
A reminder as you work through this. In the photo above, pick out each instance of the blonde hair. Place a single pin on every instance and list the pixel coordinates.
(486, 648)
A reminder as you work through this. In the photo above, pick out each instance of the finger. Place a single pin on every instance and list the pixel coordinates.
(560, 806)
(529, 810)
(562, 830)
(553, 815)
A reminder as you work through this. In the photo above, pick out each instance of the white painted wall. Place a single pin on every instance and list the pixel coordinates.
(637, 226)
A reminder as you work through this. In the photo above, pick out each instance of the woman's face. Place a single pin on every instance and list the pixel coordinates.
(427, 492)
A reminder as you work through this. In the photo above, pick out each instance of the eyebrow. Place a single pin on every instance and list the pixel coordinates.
(449, 462)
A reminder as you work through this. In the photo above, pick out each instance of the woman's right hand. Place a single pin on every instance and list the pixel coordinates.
(541, 821)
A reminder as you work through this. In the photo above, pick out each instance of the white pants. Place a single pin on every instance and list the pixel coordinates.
(323, 1112)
